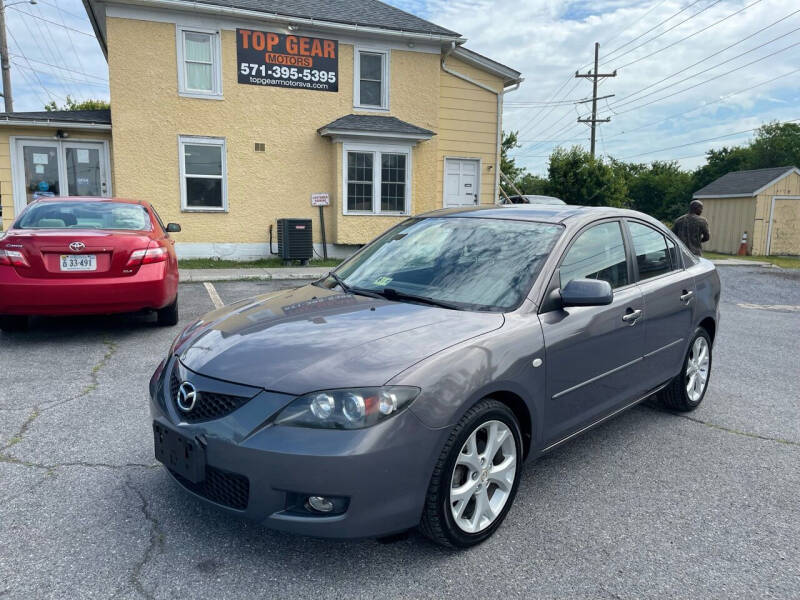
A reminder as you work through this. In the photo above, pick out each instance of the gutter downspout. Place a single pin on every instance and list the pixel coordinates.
(499, 95)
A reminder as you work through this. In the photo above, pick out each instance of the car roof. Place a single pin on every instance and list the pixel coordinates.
(58, 199)
(543, 213)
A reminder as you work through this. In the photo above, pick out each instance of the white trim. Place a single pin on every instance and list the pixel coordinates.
(216, 63)
(344, 135)
(54, 124)
(18, 167)
(771, 212)
(377, 150)
(444, 176)
(703, 197)
(776, 180)
(385, 53)
(487, 64)
(219, 142)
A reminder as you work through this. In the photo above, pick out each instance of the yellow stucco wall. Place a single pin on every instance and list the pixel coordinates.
(47, 133)
(785, 227)
(149, 115)
(468, 124)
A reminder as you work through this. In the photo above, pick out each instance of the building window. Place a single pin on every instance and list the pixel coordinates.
(199, 70)
(377, 180)
(203, 174)
(372, 81)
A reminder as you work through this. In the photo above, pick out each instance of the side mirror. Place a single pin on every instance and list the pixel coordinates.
(587, 292)
(173, 228)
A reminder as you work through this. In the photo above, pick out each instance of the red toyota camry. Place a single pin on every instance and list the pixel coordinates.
(78, 256)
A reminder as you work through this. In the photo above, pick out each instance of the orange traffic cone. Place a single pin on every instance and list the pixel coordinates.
(743, 245)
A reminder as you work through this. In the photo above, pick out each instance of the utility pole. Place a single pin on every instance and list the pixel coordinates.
(594, 76)
(4, 62)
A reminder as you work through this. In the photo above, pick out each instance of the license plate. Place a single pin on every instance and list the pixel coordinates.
(179, 453)
(79, 262)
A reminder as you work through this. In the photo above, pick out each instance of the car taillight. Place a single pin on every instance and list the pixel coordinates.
(147, 256)
(13, 258)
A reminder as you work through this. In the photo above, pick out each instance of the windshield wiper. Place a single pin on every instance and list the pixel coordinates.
(352, 290)
(393, 294)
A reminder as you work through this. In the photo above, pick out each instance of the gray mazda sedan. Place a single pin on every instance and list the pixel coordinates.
(407, 387)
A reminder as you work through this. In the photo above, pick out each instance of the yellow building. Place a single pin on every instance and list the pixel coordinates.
(764, 203)
(227, 118)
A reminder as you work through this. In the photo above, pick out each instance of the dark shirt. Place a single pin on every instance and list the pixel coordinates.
(692, 230)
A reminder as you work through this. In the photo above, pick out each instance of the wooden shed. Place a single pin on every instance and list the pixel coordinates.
(765, 203)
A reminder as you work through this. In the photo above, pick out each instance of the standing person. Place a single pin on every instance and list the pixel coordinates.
(692, 229)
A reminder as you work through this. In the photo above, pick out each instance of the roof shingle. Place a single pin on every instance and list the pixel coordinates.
(742, 182)
(100, 117)
(374, 124)
(367, 13)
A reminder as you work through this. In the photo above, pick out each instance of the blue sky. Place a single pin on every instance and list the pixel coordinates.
(53, 53)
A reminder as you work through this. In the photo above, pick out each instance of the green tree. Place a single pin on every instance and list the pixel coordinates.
(88, 104)
(662, 190)
(533, 184)
(578, 178)
(507, 165)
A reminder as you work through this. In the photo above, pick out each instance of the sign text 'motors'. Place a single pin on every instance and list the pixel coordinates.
(291, 61)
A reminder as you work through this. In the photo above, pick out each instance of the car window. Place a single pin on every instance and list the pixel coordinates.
(85, 215)
(650, 248)
(674, 255)
(597, 253)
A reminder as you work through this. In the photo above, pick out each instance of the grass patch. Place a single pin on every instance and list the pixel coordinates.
(211, 263)
(785, 262)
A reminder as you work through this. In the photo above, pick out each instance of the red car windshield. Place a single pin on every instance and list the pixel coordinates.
(86, 215)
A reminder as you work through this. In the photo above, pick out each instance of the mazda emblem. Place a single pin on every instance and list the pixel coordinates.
(187, 396)
(77, 246)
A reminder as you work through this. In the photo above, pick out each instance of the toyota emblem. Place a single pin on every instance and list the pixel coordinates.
(187, 396)
(77, 246)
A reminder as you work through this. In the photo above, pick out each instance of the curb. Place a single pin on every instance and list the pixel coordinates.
(188, 277)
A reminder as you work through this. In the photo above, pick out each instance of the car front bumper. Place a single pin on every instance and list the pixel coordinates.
(151, 287)
(382, 471)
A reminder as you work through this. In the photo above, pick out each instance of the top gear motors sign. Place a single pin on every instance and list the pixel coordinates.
(290, 61)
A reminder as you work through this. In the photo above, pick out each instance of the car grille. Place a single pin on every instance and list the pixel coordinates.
(222, 487)
(208, 406)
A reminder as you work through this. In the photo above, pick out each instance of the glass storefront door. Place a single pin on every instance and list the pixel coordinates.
(59, 168)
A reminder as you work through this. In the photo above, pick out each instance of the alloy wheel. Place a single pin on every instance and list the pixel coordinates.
(697, 369)
(483, 476)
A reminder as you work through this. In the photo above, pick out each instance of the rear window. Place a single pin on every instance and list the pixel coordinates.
(86, 215)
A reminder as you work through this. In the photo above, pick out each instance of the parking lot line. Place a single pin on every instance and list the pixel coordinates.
(212, 292)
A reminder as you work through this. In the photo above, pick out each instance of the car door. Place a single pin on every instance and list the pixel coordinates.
(668, 292)
(593, 353)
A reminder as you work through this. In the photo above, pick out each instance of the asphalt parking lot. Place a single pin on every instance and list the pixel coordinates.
(650, 505)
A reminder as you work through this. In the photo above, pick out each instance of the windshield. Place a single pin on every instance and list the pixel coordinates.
(471, 263)
(86, 215)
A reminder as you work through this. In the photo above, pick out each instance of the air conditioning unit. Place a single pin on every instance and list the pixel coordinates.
(294, 239)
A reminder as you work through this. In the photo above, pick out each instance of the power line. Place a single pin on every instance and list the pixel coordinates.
(691, 35)
(69, 37)
(64, 10)
(686, 89)
(56, 56)
(594, 76)
(711, 139)
(623, 101)
(654, 27)
(41, 62)
(702, 10)
(631, 24)
(50, 21)
(16, 43)
(62, 77)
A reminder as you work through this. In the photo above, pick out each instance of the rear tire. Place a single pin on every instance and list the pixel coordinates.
(168, 316)
(11, 323)
(465, 464)
(687, 390)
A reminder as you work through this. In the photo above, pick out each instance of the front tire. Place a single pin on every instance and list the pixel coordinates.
(687, 390)
(12, 323)
(476, 477)
(168, 316)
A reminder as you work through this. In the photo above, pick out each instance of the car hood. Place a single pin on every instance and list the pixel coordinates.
(311, 338)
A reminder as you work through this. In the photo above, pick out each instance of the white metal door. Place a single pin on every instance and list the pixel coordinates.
(461, 181)
(43, 167)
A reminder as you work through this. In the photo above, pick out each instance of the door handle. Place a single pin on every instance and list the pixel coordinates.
(632, 316)
(687, 296)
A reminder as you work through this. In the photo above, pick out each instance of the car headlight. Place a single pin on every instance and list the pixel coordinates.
(347, 409)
